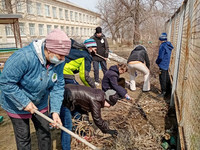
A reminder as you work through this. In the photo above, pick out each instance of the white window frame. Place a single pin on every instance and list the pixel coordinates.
(71, 15)
(47, 10)
(30, 7)
(19, 6)
(32, 29)
(67, 31)
(72, 31)
(80, 17)
(48, 29)
(81, 30)
(39, 9)
(22, 28)
(61, 13)
(62, 28)
(8, 29)
(76, 16)
(55, 26)
(66, 14)
(41, 29)
(3, 4)
(54, 11)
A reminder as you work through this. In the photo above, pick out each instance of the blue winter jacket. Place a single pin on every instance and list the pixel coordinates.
(25, 78)
(164, 55)
(110, 81)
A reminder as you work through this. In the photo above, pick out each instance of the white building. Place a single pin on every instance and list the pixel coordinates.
(40, 17)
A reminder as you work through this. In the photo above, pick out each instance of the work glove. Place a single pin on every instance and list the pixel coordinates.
(114, 133)
(127, 97)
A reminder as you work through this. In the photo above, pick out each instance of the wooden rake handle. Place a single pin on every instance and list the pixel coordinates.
(67, 131)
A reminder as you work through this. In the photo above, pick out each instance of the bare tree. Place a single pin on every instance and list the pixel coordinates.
(119, 16)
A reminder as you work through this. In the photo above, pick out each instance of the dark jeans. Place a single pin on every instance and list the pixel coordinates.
(165, 81)
(96, 69)
(22, 132)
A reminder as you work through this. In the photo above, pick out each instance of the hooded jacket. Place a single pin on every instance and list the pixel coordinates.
(102, 47)
(139, 53)
(90, 100)
(79, 61)
(164, 55)
(110, 81)
(26, 79)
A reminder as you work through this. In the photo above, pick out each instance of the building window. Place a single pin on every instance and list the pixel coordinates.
(90, 19)
(80, 17)
(29, 7)
(48, 29)
(32, 28)
(88, 32)
(71, 16)
(81, 31)
(54, 12)
(62, 28)
(84, 31)
(3, 3)
(22, 29)
(41, 29)
(87, 20)
(61, 13)
(72, 31)
(55, 26)
(66, 15)
(67, 30)
(83, 17)
(76, 31)
(76, 16)
(47, 11)
(9, 30)
(39, 9)
(19, 6)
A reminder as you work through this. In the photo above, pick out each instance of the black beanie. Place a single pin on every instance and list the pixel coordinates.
(111, 97)
(98, 30)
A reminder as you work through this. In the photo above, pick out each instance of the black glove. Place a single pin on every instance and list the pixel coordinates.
(114, 133)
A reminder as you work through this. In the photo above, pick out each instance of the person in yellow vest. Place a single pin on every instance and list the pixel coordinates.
(79, 61)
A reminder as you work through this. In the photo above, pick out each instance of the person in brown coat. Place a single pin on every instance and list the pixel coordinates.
(89, 100)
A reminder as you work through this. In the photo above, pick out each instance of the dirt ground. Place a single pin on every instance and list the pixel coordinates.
(135, 131)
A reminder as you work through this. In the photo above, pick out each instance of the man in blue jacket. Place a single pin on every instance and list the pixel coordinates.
(163, 61)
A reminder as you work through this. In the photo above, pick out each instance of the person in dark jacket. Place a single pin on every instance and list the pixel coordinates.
(139, 61)
(102, 50)
(90, 100)
(163, 61)
(111, 80)
(78, 61)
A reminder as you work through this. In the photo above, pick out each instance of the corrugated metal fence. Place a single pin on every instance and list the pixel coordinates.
(184, 33)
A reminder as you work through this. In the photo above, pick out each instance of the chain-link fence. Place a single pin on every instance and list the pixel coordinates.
(184, 32)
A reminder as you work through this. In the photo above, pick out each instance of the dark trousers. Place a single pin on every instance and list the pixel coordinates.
(22, 132)
(96, 69)
(165, 81)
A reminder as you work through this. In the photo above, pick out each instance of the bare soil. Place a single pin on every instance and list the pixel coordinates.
(135, 131)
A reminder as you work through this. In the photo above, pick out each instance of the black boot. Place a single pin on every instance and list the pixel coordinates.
(162, 95)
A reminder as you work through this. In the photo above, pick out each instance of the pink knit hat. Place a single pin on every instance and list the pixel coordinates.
(58, 42)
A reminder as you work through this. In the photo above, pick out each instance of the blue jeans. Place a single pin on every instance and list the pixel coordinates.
(96, 69)
(66, 118)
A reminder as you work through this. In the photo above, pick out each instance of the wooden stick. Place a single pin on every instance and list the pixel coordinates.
(100, 56)
(66, 130)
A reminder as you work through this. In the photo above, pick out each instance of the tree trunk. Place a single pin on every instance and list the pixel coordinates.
(136, 36)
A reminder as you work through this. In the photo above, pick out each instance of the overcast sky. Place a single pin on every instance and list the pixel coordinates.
(87, 4)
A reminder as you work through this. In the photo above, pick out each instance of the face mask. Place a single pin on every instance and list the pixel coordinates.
(55, 60)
